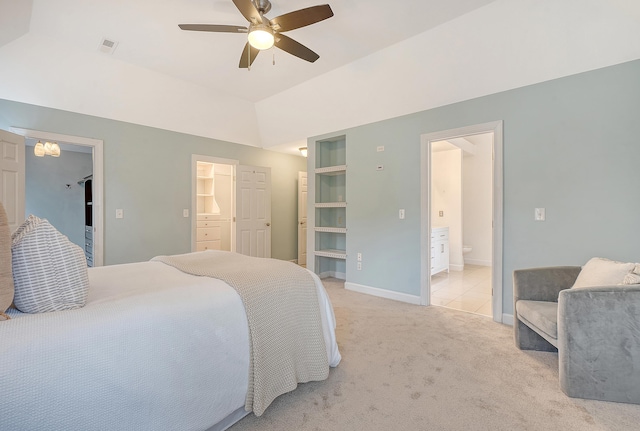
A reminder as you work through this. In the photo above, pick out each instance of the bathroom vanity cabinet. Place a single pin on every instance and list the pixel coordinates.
(439, 249)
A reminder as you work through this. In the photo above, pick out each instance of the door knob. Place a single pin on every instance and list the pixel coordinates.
(268, 224)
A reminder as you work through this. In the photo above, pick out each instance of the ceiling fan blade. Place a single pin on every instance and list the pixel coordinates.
(301, 18)
(285, 43)
(249, 54)
(248, 10)
(214, 28)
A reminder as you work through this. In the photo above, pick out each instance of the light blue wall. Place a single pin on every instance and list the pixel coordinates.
(47, 195)
(571, 145)
(147, 173)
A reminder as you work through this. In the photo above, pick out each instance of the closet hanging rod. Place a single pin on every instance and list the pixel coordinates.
(84, 180)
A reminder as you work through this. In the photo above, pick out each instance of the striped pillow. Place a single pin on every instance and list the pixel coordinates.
(49, 271)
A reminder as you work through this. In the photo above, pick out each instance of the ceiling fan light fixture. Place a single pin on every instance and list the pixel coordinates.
(261, 37)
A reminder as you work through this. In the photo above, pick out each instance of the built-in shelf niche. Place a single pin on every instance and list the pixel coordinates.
(330, 207)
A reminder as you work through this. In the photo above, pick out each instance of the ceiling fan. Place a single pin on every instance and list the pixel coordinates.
(263, 33)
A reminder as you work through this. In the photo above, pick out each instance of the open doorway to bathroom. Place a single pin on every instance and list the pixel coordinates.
(461, 219)
(461, 223)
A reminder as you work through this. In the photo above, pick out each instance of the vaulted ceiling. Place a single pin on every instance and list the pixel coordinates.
(378, 59)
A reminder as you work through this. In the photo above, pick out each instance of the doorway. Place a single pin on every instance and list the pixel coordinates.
(302, 219)
(94, 248)
(231, 206)
(213, 203)
(451, 222)
(59, 188)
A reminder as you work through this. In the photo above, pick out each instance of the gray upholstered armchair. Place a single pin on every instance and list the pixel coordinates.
(596, 331)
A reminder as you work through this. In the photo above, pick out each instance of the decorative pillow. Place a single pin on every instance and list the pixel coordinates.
(602, 272)
(6, 279)
(633, 277)
(49, 271)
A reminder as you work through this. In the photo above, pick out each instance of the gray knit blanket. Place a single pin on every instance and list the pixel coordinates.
(285, 328)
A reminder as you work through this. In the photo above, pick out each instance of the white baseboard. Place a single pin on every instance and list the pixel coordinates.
(383, 293)
(453, 267)
(477, 262)
(334, 274)
(507, 319)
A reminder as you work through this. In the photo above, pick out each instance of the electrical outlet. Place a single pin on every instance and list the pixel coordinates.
(359, 266)
(441, 213)
(380, 148)
(401, 214)
(359, 257)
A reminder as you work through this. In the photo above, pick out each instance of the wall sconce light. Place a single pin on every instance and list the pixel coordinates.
(46, 149)
(303, 150)
(38, 150)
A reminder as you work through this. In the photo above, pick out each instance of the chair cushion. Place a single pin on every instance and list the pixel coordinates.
(49, 271)
(541, 316)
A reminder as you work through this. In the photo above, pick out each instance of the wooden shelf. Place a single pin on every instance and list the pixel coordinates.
(330, 229)
(332, 170)
(331, 253)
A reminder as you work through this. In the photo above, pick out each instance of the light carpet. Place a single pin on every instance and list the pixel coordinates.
(406, 367)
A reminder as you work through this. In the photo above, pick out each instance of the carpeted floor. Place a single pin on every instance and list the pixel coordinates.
(406, 367)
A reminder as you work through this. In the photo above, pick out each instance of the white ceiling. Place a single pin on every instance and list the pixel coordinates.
(378, 59)
(148, 36)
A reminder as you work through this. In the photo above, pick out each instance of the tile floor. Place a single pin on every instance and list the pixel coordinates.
(468, 290)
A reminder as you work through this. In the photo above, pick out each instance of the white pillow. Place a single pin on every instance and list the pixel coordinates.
(49, 271)
(602, 272)
(633, 277)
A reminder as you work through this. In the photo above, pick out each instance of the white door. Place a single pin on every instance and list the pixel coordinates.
(12, 171)
(253, 211)
(302, 218)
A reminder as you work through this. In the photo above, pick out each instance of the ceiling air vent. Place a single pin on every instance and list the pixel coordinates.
(107, 46)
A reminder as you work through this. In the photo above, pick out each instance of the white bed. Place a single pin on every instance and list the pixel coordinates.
(153, 349)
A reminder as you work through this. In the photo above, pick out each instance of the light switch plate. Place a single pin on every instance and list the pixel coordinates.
(119, 213)
(185, 212)
(540, 214)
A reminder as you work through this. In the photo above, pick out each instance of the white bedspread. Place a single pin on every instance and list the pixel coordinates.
(153, 349)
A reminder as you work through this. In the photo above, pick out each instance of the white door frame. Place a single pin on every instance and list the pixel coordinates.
(302, 220)
(425, 208)
(97, 183)
(195, 158)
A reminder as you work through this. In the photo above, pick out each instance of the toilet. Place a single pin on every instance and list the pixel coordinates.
(466, 249)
